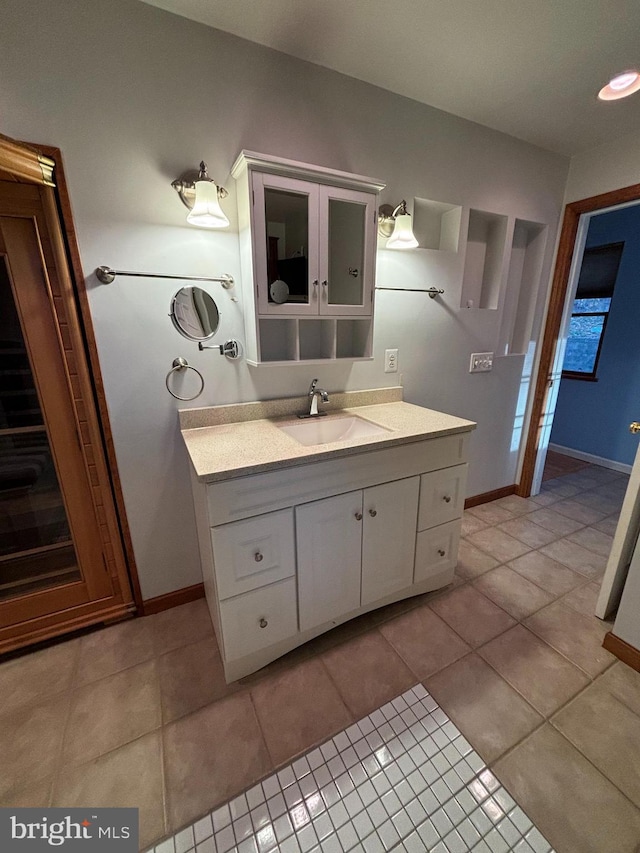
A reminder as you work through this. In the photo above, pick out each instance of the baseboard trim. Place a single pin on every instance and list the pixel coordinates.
(622, 650)
(38, 634)
(589, 457)
(172, 599)
(487, 497)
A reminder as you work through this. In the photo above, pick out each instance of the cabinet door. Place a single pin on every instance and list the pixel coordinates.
(285, 245)
(389, 538)
(347, 251)
(329, 548)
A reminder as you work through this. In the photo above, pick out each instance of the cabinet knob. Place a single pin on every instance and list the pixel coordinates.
(447, 499)
(325, 283)
(373, 513)
(257, 557)
(263, 623)
(315, 288)
(441, 552)
(358, 516)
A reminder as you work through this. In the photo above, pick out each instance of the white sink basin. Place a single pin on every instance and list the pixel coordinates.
(324, 430)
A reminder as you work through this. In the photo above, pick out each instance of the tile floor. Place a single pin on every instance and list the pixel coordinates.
(139, 713)
(401, 779)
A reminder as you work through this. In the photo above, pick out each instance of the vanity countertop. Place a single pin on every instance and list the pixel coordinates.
(245, 439)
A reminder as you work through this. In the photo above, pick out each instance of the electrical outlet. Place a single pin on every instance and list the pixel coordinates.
(481, 362)
(391, 361)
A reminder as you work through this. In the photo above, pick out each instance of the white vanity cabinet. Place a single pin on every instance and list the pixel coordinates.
(291, 552)
(308, 247)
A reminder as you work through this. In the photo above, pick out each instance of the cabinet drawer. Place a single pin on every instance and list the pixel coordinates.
(436, 550)
(253, 553)
(442, 496)
(258, 619)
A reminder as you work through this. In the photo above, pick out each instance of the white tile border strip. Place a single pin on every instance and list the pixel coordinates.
(402, 779)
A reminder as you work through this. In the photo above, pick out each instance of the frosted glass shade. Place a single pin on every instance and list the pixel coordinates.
(206, 211)
(402, 237)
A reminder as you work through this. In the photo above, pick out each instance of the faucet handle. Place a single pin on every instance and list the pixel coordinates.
(312, 387)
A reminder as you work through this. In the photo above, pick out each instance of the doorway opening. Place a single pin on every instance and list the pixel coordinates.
(569, 258)
(569, 255)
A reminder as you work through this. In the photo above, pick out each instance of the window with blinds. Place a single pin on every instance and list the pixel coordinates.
(590, 311)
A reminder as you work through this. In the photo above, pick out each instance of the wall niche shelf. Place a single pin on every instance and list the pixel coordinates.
(436, 224)
(523, 284)
(283, 341)
(484, 259)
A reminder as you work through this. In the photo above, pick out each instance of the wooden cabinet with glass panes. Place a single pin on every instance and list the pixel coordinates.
(62, 564)
(308, 240)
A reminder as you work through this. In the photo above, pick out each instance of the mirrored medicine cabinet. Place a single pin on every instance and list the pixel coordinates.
(308, 240)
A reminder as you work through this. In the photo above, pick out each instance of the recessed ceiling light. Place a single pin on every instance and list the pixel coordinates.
(620, 86)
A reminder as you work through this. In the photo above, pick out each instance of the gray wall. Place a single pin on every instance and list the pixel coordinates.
(133, 96)
(608, 167)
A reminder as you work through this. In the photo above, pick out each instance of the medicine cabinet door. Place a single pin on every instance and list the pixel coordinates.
(347, 251)
(285, 232)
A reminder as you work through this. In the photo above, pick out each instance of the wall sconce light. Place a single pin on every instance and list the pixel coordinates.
(202, 196)
(395, 224)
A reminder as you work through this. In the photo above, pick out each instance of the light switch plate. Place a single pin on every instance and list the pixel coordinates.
(481, 362)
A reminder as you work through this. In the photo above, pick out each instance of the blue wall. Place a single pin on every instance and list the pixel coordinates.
(594, 417)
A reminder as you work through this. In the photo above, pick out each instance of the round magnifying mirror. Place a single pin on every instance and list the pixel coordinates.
(194, 313)
(279, 291)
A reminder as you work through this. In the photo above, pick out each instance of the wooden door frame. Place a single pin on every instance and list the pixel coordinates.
(555, 310)
(77, 276)
(42, 165)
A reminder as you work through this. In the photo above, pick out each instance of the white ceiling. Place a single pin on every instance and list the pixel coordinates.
(530, 68)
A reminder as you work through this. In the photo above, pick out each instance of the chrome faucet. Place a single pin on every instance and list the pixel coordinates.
(313, 395)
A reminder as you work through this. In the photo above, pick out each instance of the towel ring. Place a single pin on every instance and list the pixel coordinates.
(182, 364)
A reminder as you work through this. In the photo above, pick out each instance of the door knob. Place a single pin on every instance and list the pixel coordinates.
(634, 427)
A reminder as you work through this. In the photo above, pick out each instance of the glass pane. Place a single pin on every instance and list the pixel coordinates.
(591, 306)
(583, 343)
(287, 218)
(346, 252)
(36, 551)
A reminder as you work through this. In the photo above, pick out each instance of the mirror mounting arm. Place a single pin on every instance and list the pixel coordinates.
(231, 348)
